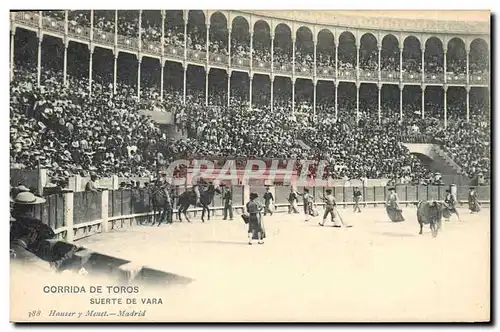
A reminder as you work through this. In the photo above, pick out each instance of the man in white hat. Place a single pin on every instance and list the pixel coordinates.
(27, 231)
(19, 189)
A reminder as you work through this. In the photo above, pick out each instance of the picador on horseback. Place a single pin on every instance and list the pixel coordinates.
(197, 196)
(161, 200)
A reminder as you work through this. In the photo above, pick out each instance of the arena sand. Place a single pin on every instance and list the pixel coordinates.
(375, 271)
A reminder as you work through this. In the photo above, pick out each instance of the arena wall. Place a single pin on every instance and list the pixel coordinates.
(81, 214)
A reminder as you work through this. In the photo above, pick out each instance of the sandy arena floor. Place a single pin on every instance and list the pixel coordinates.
(374, 271)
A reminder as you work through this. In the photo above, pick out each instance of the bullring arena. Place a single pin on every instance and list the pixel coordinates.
(375, 271)
(103, 101)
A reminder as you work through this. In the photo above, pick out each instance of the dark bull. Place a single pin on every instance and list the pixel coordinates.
(431, 213)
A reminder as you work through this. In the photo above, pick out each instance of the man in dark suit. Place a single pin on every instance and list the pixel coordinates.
(357, 197)
(228, 203)
(268, 200)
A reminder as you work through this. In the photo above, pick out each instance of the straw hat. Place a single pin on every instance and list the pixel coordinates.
(27, 198)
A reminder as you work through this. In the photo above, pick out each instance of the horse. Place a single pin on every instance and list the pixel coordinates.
(188, 198)
(161, 201)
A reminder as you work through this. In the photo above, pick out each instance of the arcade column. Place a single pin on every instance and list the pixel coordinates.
(401, 87)
(250, 85)
(445, 65)
(467, 93)
(272, 92)
(229, 74)
(336, 99)
(91, 56)
(445, 104)
(315, 85)
(229, 45)
(184, 66)
(422, 51)
(115, 69)
(207, 73)
(358, 86)
(39, 61)
(65, 62)
(379, 85)
(162, 68)
(422, 87)
(139, 63)
(380, 62)
(357, 60)
(12, 45)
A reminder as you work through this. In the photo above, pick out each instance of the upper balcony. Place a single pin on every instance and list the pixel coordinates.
(325, 69)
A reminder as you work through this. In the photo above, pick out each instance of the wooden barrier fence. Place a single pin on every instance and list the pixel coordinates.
(77, 215)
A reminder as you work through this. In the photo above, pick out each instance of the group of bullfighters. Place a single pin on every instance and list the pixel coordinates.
(428, 212)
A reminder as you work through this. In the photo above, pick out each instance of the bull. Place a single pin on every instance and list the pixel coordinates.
(431, 212)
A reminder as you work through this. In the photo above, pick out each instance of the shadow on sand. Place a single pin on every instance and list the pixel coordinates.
(396, 234)
(241, 243)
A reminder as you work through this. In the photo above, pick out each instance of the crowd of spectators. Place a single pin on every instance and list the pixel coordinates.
(69, 133)
(469, 144)
(325, 59)
(60, 128)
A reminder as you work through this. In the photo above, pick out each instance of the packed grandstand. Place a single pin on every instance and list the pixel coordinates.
(75, 107)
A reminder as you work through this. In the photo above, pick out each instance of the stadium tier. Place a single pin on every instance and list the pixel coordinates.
(246, 84)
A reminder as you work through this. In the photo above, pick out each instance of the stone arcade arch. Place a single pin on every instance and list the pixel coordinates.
(305, 52)
(326, 56)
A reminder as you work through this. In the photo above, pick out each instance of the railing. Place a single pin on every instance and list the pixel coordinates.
(368, 75)
(479, 79)
(77, 215)
(412, 77)
(218, 59)
(434, 78)
(52, 25)
(174, 52)
(29, 18)
(326, 72)
(304, 70)
(283, 68)
(389, 76)
(151, 47)
(79, 32)
(452, 78)
(347, 74)
(197, 56)
(104, 37)
(261, 65)
(130, 43)
(243, 63)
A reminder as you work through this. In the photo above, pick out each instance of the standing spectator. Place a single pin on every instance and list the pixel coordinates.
(228, 203)
(268, 202)
(357, 196)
